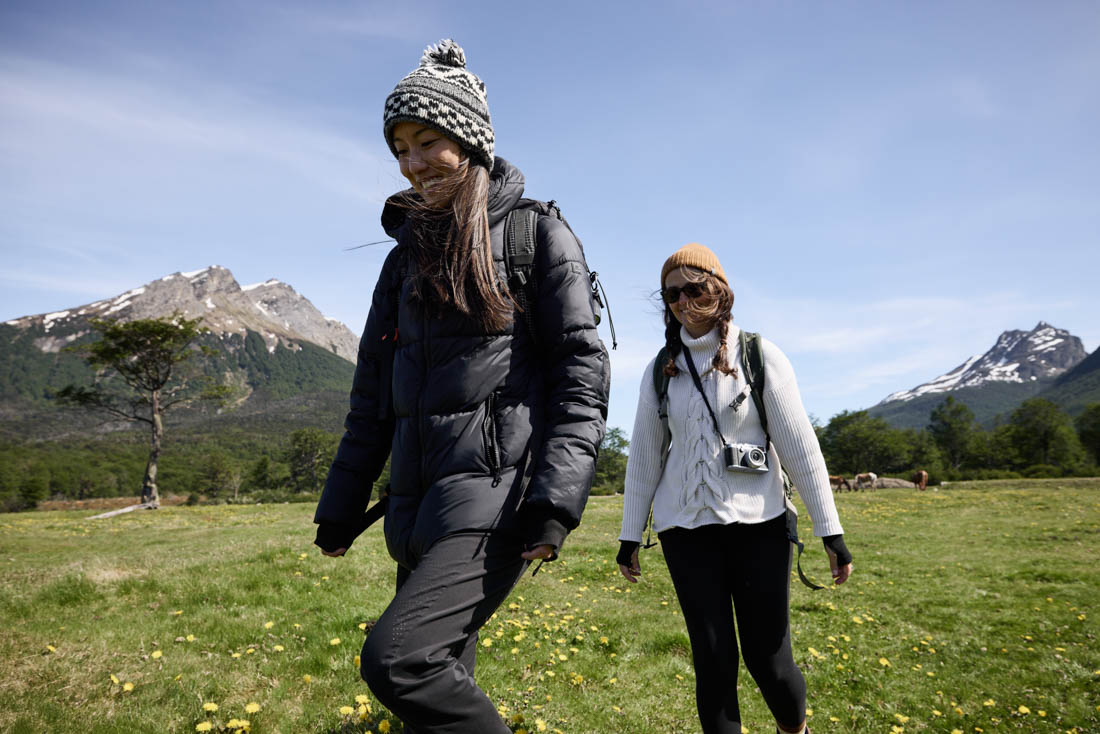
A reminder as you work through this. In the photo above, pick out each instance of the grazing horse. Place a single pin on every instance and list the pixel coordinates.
(921, 479)
(866, 480)
(837, 482)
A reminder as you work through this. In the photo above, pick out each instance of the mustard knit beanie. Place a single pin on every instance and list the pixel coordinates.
(695, 256)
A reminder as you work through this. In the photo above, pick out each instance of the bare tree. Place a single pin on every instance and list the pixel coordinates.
(148, 356)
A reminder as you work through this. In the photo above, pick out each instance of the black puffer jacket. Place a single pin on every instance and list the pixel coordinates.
(474, 412)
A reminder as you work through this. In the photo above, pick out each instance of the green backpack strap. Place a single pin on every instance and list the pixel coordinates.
(752, 360)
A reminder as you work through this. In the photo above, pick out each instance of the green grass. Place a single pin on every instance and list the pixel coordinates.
(967, 603)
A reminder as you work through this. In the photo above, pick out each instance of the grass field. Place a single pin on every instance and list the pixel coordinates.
(972, 609)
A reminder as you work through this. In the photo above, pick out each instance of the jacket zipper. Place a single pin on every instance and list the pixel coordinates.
(489, 431)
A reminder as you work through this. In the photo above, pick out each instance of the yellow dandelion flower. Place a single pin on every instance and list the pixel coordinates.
(956, 731)
(203, 726)
(857, 620)
(901, 718)
(347, 710)
(177, 613)
(356, 659)
(384, 726)
(127, 686)
(251, 707)
(1023, 709)
(1041, 713)
(278, 648)
(157, 654)
(958, 710)
(114, 679)
(334, 641)
(989, 702)
(190, 638)
(487, 642)
(936, 712)
(250, 651)
(210, 706)
(363, 698)
(884, 662)
(235, 655)
(363, 625)
(307, 678)
(51, 648)
(302, 556)
(540, 725)
(268, 625)
(517, 719)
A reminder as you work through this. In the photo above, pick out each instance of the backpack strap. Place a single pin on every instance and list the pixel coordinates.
(520, 240)
(752, 360)
(660, 386)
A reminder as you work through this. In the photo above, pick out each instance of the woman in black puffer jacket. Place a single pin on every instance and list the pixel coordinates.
(492, 430)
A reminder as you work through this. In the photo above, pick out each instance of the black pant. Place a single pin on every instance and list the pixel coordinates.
(750, 564)
(419, 657)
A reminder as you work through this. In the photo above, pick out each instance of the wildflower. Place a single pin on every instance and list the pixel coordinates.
(384, 726)
(190, 638)
(363, 699)
(363, 625)
(114, 679)
(884, 662)
(278, 648)
(203, 726)
(51, 648)
(487, 642)
(235, 655)
(210, 706)
(1023, 709)
(251, 707)
(268, 625)
(540, 725)
(334, 641)
(157, 654)
(989, 702)
(347, 710)
(177, 613)
(901, 718)
(127, 686)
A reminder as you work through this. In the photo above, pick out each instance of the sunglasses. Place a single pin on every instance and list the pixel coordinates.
(672, 293)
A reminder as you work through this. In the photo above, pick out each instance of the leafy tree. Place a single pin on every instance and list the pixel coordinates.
(1088, 430)
(952, 427)
(855, 442)
(148, 356)
(1043, 434)
(222, 476)
(310, 454)
(611, 462)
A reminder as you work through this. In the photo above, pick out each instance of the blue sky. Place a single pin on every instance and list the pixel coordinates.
(888, 185)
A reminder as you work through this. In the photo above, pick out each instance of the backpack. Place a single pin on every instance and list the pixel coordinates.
(752, 361)
(520, 241)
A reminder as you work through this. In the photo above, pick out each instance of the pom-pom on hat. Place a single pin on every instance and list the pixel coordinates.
(443, 94)
(697, 256)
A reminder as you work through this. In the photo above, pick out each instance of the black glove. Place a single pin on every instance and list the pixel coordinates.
(626, 552)
(835, 543)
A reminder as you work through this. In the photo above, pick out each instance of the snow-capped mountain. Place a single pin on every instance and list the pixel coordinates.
(272, 309)
(1041, 354)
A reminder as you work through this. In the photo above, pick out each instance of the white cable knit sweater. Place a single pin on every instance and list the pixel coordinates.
(695, 488)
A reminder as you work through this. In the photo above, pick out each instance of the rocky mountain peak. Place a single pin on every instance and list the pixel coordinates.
(1043, 353)
(272, 309)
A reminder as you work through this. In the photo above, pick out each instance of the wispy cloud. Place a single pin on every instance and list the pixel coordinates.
(49, 107)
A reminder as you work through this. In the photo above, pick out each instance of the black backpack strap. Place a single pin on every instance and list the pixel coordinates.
(520, 240)
(752, 360)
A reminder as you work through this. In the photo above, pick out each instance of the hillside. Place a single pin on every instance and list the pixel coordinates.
(271, 344)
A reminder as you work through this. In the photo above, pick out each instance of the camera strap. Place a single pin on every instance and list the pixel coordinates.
(699, 386)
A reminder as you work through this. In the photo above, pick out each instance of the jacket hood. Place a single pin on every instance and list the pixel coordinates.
(505, 189)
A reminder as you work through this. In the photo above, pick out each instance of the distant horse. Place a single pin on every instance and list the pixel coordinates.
(921, 479)
(866, 480)
(837, 482)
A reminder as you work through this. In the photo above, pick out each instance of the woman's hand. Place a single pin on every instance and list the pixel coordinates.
(334, 554)
(840, 573)
(539, 553)
(634, 570)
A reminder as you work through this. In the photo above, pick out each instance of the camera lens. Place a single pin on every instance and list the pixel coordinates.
(755, 457)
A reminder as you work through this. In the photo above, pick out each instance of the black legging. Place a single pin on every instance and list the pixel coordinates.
(750, 564)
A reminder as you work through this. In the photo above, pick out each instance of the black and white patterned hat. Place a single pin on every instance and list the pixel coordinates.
(443, 94)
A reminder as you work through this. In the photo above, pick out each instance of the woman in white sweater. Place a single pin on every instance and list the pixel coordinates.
(723, 531)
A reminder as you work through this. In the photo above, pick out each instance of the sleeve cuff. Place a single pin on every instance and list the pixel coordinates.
(331, 536)
(544, 531)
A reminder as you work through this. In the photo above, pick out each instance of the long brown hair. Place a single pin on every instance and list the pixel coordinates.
(452, 254)
(713, 307)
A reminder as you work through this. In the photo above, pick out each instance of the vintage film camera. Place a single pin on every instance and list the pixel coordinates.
(745, 457)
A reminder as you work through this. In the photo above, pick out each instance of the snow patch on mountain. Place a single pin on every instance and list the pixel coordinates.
(1017, 356)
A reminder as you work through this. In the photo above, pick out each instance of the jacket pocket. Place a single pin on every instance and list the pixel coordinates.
(489, 437)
